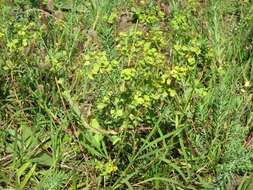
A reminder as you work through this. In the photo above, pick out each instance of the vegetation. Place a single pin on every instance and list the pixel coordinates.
(126, 94)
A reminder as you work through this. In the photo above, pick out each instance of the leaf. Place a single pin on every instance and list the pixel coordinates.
(97, 140)
(92, 150)
(172, 92)
(43, 159)
(52, 180)
(94, 139)
(29, 136)
(21, 171)
(27, 177)
(95, 124)
(115, 139)
(128, 73)
(101, 106)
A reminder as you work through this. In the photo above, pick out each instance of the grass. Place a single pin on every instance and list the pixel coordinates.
(112, 94)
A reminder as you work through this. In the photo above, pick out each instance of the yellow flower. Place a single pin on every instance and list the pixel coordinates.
(247, 84)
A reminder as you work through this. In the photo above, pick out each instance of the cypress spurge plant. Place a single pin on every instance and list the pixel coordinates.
(126, 95)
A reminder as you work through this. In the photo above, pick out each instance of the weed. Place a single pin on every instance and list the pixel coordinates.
(112, 94)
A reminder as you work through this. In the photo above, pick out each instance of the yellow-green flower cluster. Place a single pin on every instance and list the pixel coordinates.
(97, 62)
(23, 35)
(106, 168)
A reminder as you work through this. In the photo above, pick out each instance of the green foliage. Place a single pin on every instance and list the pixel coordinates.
(105, 94)
(53, 180)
